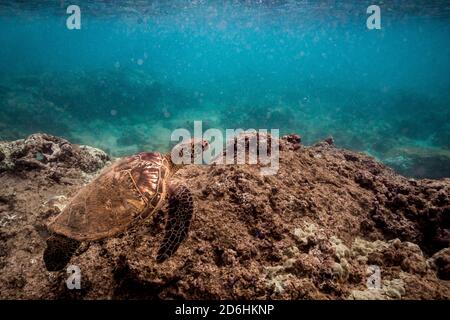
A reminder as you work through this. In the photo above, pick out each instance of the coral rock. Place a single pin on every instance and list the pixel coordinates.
(320, 228)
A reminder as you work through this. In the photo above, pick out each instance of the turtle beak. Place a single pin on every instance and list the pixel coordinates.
(205, 145)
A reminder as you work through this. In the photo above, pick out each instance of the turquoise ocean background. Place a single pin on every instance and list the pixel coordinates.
(139, 69)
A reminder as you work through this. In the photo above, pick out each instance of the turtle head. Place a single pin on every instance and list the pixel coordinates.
(188, 152)
(197, 147)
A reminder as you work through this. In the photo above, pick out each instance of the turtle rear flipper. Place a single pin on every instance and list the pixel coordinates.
(179, 217)
(59, 251)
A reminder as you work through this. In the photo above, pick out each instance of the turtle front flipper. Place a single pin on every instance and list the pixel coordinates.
(59, 251)
(179, 217)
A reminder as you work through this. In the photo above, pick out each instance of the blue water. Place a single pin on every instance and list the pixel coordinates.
(140, 69)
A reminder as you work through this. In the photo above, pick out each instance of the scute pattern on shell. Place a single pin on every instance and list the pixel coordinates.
(127, 191)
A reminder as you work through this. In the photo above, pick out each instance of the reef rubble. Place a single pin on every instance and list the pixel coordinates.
(316, 230)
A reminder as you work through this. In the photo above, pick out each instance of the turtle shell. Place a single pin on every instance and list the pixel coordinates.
(129, 190)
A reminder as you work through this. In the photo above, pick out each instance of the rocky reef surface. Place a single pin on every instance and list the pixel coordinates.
(318, 229)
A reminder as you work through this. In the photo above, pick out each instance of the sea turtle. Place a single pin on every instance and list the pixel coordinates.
(124, 194)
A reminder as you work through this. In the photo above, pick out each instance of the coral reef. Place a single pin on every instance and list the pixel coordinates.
(318, 229)
(51, 154)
